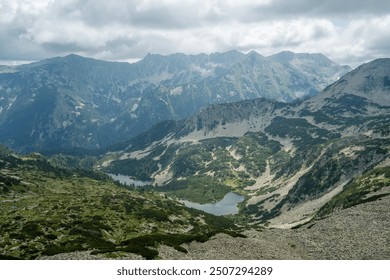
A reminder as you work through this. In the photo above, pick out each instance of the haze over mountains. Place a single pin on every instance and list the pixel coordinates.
(77, 102)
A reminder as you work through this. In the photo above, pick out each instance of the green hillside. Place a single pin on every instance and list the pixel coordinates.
(47, 210)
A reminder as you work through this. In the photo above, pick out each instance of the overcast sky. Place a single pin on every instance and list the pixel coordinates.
(347, 31)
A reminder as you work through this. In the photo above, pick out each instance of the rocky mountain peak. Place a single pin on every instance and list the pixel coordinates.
(370, 82)
(288, 57)
(92, 103)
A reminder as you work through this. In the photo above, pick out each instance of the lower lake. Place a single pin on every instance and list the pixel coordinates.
(226, 206)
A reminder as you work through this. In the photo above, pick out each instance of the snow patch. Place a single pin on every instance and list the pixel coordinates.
(117, 100)
(235, 129)
(66, 124)
(299, 94)
(134, 108)
(107, 163)
(79, 106)
(351, 151)
(176, 91)
(11, 102)
(163, 176)
(202, 71)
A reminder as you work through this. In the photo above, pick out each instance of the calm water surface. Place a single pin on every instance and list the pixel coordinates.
(127, 180)
(228, 205)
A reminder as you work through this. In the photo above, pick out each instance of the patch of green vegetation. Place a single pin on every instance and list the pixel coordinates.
(255, 149)
(321, 117)
(213, 159)
(332, 167)
(360, 190)
(138, 168)
(201, 189)
(334, 162)
(71, 162)
(190, 160)
(258, 213)
(278, 160)
(48, 210)
(300, 130)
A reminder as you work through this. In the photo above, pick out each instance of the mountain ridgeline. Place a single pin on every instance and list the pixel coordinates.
(76, 102)
(289, 159)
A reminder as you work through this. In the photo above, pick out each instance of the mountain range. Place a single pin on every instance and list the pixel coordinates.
(288, 159)
(313, 172)
(77, 102)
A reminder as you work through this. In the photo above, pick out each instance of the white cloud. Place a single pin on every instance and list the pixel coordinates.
(350, 32)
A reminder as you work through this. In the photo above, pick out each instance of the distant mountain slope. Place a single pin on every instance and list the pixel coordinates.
(370, 82)
(72, 101)
(288, 159)
(318, 69)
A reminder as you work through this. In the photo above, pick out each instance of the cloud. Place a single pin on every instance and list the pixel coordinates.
(320, 8)
(349, 32)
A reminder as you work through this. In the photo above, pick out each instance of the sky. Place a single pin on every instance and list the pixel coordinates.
(349, 32)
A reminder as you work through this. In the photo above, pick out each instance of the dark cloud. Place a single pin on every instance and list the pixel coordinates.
(163, 18)
(132, 13)
(55, 47)
(14, 47)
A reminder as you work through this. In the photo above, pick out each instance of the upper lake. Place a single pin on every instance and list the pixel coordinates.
(126, 180)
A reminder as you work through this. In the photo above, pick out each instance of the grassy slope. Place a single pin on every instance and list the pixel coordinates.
(363, 189)
(46, 211)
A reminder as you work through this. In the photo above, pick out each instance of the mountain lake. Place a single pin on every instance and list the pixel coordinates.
(226, 206)
(127, 180)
